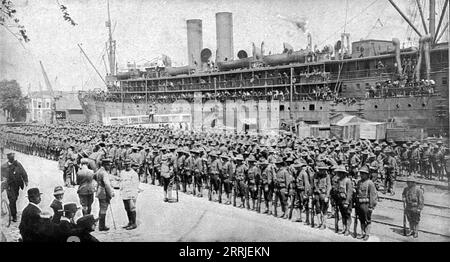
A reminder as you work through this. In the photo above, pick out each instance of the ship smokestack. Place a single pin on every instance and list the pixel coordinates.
(195, 42)
(224, 36)
(396, 44)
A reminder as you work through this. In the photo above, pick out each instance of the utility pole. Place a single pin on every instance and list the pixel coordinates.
(432, 29)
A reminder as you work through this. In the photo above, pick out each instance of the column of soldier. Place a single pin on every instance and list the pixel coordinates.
(304, 176)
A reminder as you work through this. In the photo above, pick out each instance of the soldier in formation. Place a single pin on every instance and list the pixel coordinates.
(271, 175)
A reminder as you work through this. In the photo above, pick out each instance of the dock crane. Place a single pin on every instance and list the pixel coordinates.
(50, 90)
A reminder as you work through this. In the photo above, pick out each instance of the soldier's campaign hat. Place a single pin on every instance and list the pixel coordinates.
(388, 151)
(102, 144)
(251, 158)
(59, 190)
(340, 169)
(71, 207)
(299, 163)
(411, 179)
(304, 154)
(33, 192)
(365, 152)
(134, 164)
(10, 154)
(351, 151)
(289, 159)
(439, 142)
(86, 221)
(364, 169)
(377, 148)
(239, 157)
(106, 160)
(263, 161)
(321, 166)
(371, 155)
(224, 155)
(404, 146)
(278, 160)
(213, 153)
(127, 161)
(425, 145)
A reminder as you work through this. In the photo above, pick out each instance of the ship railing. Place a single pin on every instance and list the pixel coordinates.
(401, 92)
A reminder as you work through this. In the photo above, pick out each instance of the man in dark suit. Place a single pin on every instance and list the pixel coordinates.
(31, 218)
(16, 178)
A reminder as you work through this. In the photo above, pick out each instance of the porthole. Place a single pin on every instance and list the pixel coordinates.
(304, 108)
(320, 108)
(409, 105)
(376, 106)
(423, 104)
(397, 106)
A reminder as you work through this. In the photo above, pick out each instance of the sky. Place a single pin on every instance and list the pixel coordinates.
(145, 29)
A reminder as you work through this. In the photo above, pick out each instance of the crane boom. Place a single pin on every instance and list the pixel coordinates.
(47, 82)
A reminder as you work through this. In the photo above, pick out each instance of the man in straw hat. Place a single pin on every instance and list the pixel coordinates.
(414, 201)
(57, 204)
(366, 200)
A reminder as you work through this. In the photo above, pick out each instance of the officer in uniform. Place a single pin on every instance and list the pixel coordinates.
(391, 169)
(415, 159)
(85, 191)
(16, 178)
(105, 192)
(214, 170)
(265, 182)
(239, 176)
(342, 193)
(281, 181)
(227, 172)
(252, 174)
(321, 191)
(425, 163)
(366, 200)
(197, 169)
(299, 183)
(414, 201)
(167, 175)
(129, 186)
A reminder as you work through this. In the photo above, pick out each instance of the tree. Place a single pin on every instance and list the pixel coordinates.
(11, 99)
(8, 19)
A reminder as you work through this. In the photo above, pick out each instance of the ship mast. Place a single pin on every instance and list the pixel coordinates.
(111, 46)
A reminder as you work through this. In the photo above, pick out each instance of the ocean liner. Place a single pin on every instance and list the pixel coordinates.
(376, 80)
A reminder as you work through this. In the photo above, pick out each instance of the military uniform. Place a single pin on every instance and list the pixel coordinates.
(227, 176)
(414, 202)
(239, 176)
(321, 193)
(343, 195)
(104, 192)
(251, 179)
(281, 181)
(366, 200)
